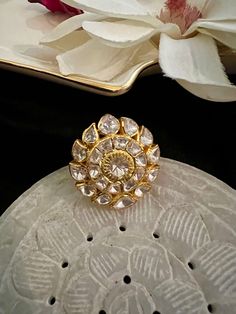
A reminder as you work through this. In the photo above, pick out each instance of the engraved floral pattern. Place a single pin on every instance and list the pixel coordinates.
(173, 252)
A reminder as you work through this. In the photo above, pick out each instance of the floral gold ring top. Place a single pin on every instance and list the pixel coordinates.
(115, 162)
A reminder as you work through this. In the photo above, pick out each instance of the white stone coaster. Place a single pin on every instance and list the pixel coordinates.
(174, 252)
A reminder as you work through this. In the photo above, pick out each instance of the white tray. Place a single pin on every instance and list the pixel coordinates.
(22, 25)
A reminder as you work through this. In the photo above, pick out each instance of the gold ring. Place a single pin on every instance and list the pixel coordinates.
(115, 162)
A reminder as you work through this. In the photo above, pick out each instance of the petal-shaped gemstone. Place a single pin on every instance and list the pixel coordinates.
(146, 137)
(139, 173)
(87, 189)
(141, 160)
(105, 146)
(133, 148)
(114, 188)
(120, 142)
(123, 202)
(129, 185)
(141, 189)
(152, 174)
(153, 155)
(77, 172)
(94, 171)
(90, 135)
(103, 199)
(102, 183)
(108, 125)
(79, 151)
(96, 156)
(130, 126)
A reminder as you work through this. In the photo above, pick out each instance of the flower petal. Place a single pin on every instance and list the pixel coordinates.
(224, 26)
(127, 33)
(226, 38)
(120, 34)
(115, 8)
(68, 26)
(153, 6)
(196, 60)
(219, 93)
(96, 60)
(221, 10)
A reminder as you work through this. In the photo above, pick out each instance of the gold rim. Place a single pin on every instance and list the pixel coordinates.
(85, 82)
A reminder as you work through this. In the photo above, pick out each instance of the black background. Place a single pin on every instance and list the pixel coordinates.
(39, 121)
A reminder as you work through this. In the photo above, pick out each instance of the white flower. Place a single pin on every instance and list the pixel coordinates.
(122, 33)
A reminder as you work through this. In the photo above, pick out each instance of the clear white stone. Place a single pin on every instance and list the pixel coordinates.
(152, 174)
(119, 167)
(105, 146)
(140, 190)
(139, 173)
(103, 199)
(153, 155)
(123, 202)
(130, 126)
(87, 189)
(102, 183)
(94, 171)
(120, 142)
(90, 135)
(141, 160)
(78, 172)
(146, 137)
(133, 148)
(129, 185)
(114, 188)
(108, 124)
(96, 156)
(79, 151)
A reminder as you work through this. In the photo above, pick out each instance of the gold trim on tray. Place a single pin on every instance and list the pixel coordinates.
(101, 87)
(84, 83)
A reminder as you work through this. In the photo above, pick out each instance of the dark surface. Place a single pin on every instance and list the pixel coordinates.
(39, 121)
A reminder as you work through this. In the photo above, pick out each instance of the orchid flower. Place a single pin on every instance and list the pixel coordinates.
(185, 33)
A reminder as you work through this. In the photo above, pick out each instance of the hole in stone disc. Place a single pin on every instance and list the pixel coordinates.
(90, 238)
(52, 300)
(190, 265)
(210, 308)
(127, 279)
(155, 235)
(156, 312)
(64, 264)
(122, 228)
(102, 312)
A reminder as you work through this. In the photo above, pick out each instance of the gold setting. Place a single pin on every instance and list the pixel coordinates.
(114, 157)
(115, 162)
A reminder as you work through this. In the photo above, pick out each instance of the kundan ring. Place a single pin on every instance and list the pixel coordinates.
(115, 162)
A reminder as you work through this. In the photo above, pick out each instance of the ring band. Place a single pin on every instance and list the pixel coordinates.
(115, 162)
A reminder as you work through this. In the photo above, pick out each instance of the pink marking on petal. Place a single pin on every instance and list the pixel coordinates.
(58, 6)
(181, 13)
